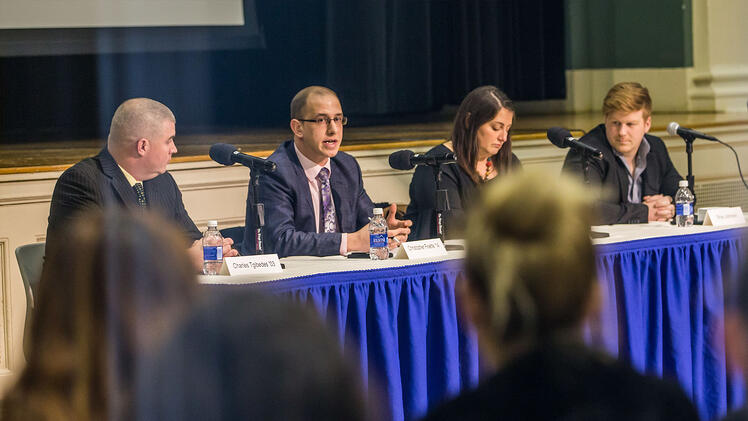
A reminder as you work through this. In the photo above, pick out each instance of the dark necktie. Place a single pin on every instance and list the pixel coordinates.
(328, 210)
(141, 194)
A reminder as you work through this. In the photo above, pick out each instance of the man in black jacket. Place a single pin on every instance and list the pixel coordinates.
(129, 172)
(636, 173)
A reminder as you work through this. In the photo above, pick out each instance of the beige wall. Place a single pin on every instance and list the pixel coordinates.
(718, 81)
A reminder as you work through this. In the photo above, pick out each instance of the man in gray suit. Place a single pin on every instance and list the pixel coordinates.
(130, 172)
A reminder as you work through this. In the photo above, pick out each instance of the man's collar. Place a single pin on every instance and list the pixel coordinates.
(128, 176)
(311, 169)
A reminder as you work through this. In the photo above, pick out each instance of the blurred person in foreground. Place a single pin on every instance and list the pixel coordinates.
(129, 172)
(247, 356)
(531, 284)
(736, 334)
(115, 288)
(636, 172)
(481, 140)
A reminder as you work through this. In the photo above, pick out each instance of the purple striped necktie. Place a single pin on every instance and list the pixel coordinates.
(328, 210)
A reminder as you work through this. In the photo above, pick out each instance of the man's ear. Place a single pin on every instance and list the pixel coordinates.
(647, 124)
(142, 146)
(296, 128)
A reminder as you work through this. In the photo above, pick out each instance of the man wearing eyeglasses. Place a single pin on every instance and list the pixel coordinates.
(315, 202)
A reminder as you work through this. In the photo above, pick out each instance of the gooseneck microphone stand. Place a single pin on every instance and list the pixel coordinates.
(689, 153)
(442, 201)
(586, 157)
(258, 207)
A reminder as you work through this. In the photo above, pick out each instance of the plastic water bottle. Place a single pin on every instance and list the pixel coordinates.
(683, 205)
(212, 249)
(378, 236)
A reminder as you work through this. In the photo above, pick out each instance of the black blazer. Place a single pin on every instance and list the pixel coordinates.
(99, 182)
(460, 191)
(290, 225)
(611, 174)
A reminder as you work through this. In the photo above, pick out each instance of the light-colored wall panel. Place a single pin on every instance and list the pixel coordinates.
(211, 191)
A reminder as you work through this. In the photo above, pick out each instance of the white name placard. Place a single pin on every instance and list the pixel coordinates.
(421, 249)
(251, 265)
(719, 217)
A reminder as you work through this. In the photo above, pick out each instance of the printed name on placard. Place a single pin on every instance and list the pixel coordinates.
(421, 249)
(251, 265)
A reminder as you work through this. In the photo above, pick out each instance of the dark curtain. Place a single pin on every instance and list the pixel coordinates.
(411, 56)
(385, 58)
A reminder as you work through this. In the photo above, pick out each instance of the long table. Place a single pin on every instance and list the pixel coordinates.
(662, 312)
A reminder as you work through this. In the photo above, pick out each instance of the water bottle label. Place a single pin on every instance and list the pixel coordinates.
(683, 209)
(212, 253)
(378, 240)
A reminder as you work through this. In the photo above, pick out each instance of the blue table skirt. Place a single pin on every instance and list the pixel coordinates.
(663, 313)
(402, 324)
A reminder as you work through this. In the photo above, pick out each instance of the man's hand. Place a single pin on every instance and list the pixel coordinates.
(196, 252)
(227, 250)
(359, 240)
(660, 207)
(397, 230)
(397, 233)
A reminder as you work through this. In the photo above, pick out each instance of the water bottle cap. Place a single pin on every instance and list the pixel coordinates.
(378, 211)
(683, 183)
(212, 223)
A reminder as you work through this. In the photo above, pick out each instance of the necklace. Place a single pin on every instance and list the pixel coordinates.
(489, 169)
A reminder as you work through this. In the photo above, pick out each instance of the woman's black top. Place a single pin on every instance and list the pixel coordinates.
(460, 190)
(569, 383)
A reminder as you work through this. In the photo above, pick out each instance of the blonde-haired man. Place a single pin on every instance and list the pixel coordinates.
(636, 171)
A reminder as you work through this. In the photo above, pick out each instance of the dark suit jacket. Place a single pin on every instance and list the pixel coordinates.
(660, 177)
(99, 182)
(460, 191)
(290, 226)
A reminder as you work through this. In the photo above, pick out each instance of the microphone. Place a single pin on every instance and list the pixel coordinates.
(406, 160)
(563, 139)
(675, 129)
(226, 154)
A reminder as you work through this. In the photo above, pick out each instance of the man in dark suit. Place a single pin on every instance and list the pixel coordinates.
(636, 173)
(315, 202)
(130, 172)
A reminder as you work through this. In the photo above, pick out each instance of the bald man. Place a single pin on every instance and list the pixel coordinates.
(130, 172)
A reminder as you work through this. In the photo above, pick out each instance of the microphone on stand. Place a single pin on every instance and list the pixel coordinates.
(563, 139)
(674, 129)
(226, 154)
(406, 160)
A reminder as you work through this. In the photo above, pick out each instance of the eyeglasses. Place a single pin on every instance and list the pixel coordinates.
(338, 120)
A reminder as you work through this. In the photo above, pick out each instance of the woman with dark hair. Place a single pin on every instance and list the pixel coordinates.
(480, 139)
(108, 294)
(529, 289)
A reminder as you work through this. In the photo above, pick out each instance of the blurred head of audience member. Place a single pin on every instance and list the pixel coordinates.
(736, 323)
(108, 293)
(246, 356)
(531, 285)
(530, 263)
(481, 131)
